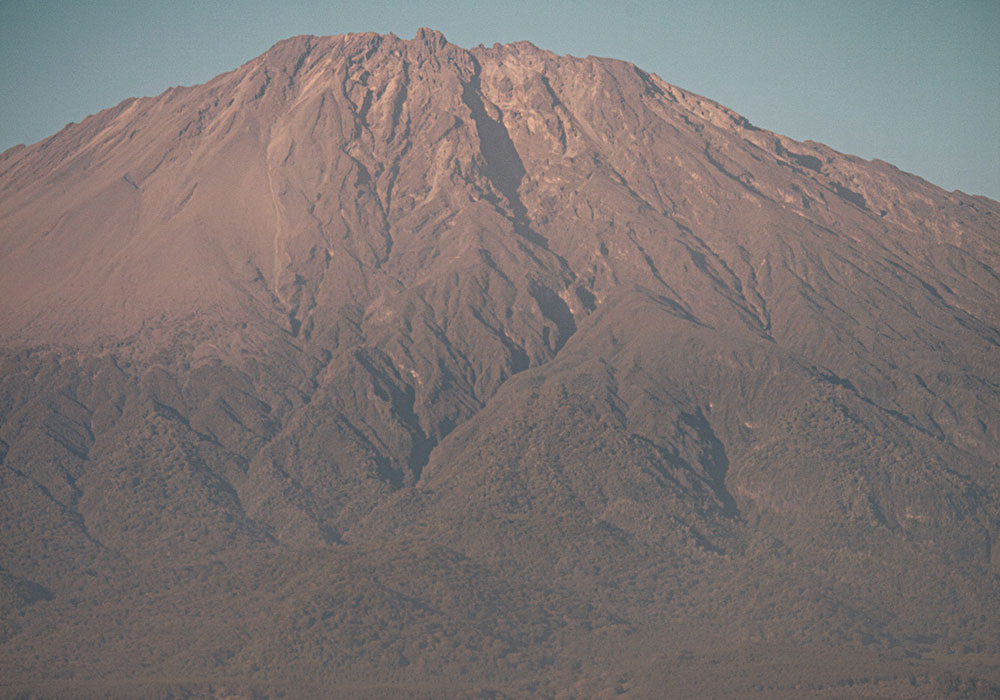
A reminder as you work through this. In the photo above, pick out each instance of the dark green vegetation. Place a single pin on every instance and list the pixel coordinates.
(383, 368)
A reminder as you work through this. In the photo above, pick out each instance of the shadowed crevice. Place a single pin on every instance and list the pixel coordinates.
(713, 459)
(402, 398)
(555, 310)
(504, 167)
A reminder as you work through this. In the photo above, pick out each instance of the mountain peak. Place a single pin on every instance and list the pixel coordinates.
(431, 37)
(510, 130)
(488, 366)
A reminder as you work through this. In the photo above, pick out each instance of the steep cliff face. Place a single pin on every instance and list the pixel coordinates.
(486, 363)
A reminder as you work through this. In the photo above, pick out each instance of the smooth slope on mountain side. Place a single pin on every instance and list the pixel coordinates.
(395, 367)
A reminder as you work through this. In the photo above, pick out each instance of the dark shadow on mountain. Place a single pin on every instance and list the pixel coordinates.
(402, 397)
(27, 591)
(855, 198)
(555, 310)
(503, 164)
(713, 459)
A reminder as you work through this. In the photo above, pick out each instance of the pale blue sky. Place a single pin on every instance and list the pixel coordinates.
(914, 83)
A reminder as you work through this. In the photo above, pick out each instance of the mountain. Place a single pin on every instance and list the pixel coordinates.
(386, 368)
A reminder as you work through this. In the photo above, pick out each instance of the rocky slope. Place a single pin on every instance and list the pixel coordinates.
(404, 368)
